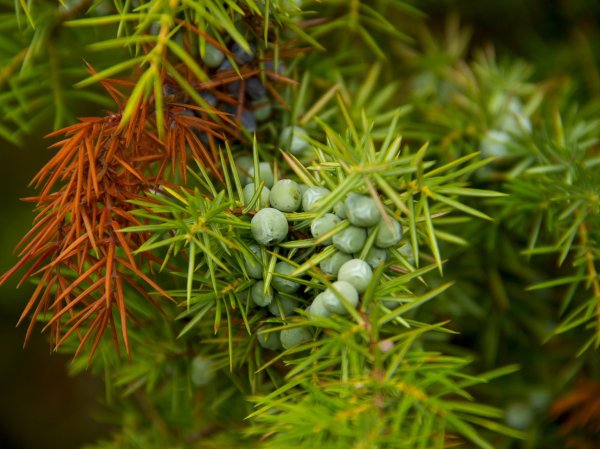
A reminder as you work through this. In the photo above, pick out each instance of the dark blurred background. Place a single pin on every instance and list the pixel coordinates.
(41, 407)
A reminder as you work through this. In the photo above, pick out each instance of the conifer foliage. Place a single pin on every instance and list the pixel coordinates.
(289, 218)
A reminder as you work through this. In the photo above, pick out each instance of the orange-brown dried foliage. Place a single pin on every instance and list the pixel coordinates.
(75, 246)
(578, 413)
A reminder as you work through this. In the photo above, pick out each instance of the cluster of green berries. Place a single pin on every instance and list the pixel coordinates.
(347, 228)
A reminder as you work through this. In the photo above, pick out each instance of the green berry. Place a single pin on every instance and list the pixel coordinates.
(332, 264)
(406, 251)
(201, 370)
(362, 210)
(312, 195)
(213, 57)
(269, 340)
(254, 268)
(243, 164)
(295, 336)
(332, 302)
(284, 285)
(285, 195)
(259, 296)
(282, 306)
(317, 308)
(265, 172)
(261, 109)
(249, 191)
(356, 272)
(293, 139)
(340, 210)
(350, 240)
(303, 188)
(322, 225)
(376, 256)
(269, 226)
(388, 234)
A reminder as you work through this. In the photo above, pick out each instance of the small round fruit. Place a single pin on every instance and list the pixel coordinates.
(269, 340)
(293, 139)
(253, 267)
(285, 195)
(495, 143)
(269, 226)
(356, 272)
(317, 308)
(243, 165)
(255, 89)
(407, 252)
(376, 256)
(332, 264)
(201, 370)
(350, 240)
(242, 55)
(265, 172)
(249, 191)
(362, 210)
(282, 305)
(294, 336)
(280, 69)
(284, 285)
(333, 303)
(322, 225)
(209, 98)
(258, 295)
(340, 210)
(213, 57)
(248, 121)
(388, 234)
(261, 109)
(303, 188)
(225, 65)
(312, 195)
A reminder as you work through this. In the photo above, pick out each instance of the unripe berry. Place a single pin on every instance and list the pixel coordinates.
(340, 210)
(322, 225)
(265, 172)
(249, 191)
(293, 139)
(356, 272)
(269, 226)
(388, 234)
(294, 336)
(282, 305)
(284, 285)
(376, 256)
(243, 164)
(201, 371)
(259, 296)
(213, 57)
(312, 195)
(362, 210)
(350, 240)
(261, 109)
(333, 303)
(253, 267)
(269, 340)
(406, 250)
(285, 195)
(332, 264)
(317, 308)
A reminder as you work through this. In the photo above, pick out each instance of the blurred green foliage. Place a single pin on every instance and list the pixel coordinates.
(560, 40)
